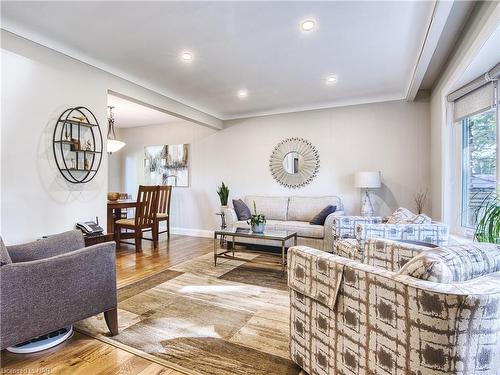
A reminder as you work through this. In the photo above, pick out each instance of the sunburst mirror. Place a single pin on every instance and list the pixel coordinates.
(294, 162)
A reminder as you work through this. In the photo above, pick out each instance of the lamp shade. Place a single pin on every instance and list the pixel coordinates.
(367, 180)
(113, 145)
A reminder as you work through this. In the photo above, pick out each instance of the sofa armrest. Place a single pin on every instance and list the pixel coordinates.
(47, 247)
(328, 227)
(435, 233)
(47, 294)
(230, 215)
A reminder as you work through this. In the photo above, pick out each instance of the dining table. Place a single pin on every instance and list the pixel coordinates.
(114, 211)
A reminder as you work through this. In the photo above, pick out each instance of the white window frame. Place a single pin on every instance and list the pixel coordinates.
(457, 187)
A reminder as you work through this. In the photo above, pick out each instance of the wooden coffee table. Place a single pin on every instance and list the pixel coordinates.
(279, 236)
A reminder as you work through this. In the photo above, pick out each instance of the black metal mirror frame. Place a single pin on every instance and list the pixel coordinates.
(76, 175)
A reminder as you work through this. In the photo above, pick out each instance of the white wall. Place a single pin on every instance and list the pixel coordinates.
(392, 137)
(444, 186)
(37, 85)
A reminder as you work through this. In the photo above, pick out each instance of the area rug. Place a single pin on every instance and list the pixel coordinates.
(201, 319)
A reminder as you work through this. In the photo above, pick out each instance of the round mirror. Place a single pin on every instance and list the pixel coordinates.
(293, 162)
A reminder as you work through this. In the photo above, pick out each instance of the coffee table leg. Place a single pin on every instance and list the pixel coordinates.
(233, 246)
(215, 249)
(283, 255)
(295, 240)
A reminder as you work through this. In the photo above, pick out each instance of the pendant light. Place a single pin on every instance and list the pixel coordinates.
(112, 144)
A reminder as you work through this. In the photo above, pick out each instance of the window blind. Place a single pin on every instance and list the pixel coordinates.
(477, 101)
(476, 96)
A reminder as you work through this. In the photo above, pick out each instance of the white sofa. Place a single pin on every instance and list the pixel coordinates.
(292, 214)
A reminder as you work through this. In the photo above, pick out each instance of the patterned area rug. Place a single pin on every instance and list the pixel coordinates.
(201, 319)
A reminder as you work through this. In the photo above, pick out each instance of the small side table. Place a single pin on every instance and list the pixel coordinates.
(222, 219)
(100, 238)
(222, 226)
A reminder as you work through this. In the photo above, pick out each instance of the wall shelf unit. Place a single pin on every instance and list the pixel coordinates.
(77, 145)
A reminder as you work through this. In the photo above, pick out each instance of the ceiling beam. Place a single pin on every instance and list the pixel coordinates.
(437, 22)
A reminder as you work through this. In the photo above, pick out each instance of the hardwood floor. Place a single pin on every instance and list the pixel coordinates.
(87, 356)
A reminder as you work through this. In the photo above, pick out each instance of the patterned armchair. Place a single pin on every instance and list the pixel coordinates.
(353, 318)
(351, 232)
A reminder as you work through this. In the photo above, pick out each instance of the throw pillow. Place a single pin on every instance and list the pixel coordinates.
(450, 264)
(320, 218)
(421, 219)
(400, 216)
(241, 209)
(4, 254)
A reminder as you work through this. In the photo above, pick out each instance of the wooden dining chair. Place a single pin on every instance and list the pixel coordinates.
(163, 214)
(123, 211)
(144, 218)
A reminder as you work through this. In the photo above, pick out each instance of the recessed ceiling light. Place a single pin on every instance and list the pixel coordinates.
(187, 56)
(307, 25)
(330, 80)
(242, 94)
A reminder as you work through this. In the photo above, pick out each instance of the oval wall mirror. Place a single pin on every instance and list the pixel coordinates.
(294, 162)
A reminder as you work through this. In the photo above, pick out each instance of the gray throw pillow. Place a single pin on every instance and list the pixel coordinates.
(241, 209)
(320, 218)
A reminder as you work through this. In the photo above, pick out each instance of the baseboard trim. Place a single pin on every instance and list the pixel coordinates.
(193, 232)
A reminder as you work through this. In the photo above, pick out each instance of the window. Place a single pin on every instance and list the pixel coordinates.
(479, 163)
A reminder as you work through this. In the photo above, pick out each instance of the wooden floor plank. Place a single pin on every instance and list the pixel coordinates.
(87, 356)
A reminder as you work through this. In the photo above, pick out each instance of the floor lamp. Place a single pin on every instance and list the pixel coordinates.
(366, 181)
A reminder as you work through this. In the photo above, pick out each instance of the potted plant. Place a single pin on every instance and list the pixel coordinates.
(223, 192)
(488, 219)
(257, 221)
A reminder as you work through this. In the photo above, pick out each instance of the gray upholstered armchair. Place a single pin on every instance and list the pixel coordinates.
(51, 283)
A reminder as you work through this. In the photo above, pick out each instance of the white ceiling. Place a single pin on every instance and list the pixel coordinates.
(372, 47)
(129, 114)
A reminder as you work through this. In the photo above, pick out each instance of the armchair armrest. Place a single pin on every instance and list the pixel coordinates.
(345, 226)
(47, 247)
(46, 294)
(435, 233)
(230, 215)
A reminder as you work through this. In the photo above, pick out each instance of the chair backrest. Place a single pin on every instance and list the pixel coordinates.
(164, 194)
(147, 205)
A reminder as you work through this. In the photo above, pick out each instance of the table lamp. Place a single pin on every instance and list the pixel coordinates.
(367, 180)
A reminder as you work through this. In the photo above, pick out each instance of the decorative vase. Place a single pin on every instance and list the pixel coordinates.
(223, 207)
(258, 228)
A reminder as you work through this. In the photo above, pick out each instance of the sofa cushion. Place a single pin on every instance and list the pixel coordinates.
(4, 254)
(458, 263)
(270, 224)
(273, 208)
(305, 208)
(320, 218)
(303, 228)
(401, 215)
(241, 209)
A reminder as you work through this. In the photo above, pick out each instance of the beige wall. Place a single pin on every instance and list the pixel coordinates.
(392, 137)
